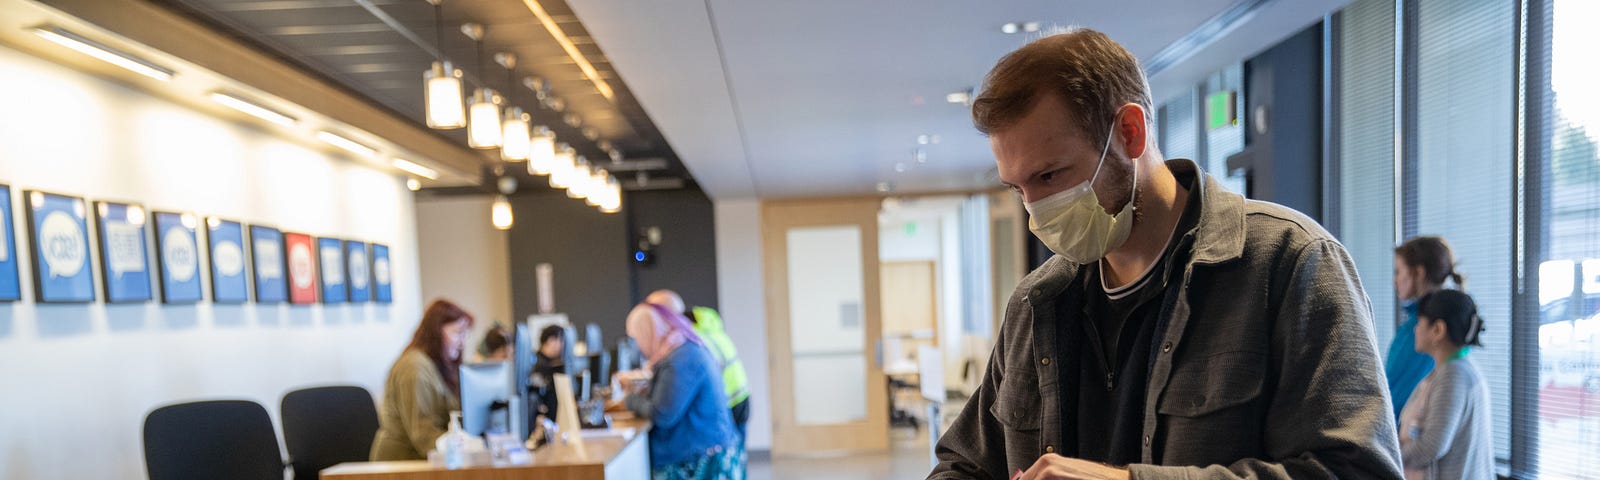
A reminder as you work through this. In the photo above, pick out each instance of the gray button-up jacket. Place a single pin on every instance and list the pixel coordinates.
(1265, 365)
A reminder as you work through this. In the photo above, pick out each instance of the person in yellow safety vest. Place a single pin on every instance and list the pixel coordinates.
(708, 324)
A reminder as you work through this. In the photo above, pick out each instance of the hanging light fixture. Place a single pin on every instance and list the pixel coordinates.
(514, 128)
(565, 160)
(597, 189)
(483, 116)
(541, 151)
(500, 213)
(441, 84)
(613, 203)
(576, 177)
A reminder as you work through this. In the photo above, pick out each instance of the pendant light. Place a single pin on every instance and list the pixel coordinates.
(441, 84)
(573, 180)
(596, 190)
(565, 159)
(514, 128)
(500, 213)
(483, 116)
(541, 151)
(613, 200)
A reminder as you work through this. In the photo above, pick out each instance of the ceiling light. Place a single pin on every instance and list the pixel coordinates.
(1030, 27)
(1010, 28)
(518, 144)
(901, 167)
(442, 95)
(541, 151)
(613, 200)
(104, 52)
(962, 97)
(576, 178)
(560, 172)
(347, 145)
(483, 125)
(595, 188)
(571, 49)
(253, 109)
(413, 185)
(415, 169)
(500, 213)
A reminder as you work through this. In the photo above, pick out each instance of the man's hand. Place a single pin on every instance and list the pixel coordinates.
(1056, 467)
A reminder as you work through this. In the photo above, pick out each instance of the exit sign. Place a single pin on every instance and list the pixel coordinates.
(1222, 109)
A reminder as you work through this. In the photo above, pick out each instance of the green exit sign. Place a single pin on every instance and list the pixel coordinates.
(1222, 109)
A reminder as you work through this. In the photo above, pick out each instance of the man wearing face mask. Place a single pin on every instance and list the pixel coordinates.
(1180, 331)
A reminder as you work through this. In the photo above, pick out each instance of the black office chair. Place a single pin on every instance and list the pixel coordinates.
(215, 439)
(326, 426)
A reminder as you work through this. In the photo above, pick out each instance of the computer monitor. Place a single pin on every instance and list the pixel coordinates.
(488, 398)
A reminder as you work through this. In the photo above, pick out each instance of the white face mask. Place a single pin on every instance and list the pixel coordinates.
(1072, 224)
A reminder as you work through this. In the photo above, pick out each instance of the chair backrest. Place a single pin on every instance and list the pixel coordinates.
(213, 439)
(326, 426)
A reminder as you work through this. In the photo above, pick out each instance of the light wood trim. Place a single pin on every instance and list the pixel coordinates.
(935, 316)
(777, 218)
(419, 470)
(186, 39)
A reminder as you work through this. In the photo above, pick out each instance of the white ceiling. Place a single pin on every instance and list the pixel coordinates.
(770, 98)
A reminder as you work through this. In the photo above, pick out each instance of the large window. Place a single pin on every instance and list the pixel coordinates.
(1566, 115)
(1366, 152)
(1465, 160)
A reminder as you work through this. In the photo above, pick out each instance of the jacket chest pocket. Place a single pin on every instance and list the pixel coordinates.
(1019, 412)
(1212, 385)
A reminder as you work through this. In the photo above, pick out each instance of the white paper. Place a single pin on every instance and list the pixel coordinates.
(64, 249)
(331, 273)
(123, 248)
(269, 260)
(229, 258)
(178, 252)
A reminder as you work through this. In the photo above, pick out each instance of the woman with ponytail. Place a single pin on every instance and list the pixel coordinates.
(1445, 429)
(1421, 266)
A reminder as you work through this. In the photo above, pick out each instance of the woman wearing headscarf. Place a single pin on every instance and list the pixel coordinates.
(692, 434)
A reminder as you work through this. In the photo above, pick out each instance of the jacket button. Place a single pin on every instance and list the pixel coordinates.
(1166, 348)
(1146, 440)
(1033, 292)
(1049, 449)
(1045, 360)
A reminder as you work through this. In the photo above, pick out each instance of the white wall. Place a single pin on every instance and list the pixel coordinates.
(741, 291)
(464, 259)
(78, 379)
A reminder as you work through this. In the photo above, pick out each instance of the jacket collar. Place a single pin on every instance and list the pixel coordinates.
(1219, 233)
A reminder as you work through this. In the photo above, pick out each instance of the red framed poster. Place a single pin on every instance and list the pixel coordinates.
(302, 260)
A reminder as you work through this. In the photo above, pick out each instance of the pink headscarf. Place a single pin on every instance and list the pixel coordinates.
(659, 330)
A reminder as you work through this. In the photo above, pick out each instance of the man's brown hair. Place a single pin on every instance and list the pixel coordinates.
(1093, 74)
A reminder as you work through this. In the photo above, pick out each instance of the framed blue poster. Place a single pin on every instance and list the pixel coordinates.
(228, 282)
(60, 234)
(266, 249)
(124, 261)
(10, 282)
(359, 273)
(330, 254)
(178, 253)
(380, 274)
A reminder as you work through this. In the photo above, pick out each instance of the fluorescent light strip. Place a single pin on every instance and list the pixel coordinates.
(1214, 28)
(346, 144)
(104, 52)
(251, 108)
(415, 169)
(572, 49)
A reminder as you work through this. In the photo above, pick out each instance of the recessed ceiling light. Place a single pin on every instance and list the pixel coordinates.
(1030, 27)
(923, 139)
(413, 185)
(901, 167)
(103, 52)
(1020, 27)
(253, 109)
(962, 97)
(346, 144)
(415, 169)
(1009, 28)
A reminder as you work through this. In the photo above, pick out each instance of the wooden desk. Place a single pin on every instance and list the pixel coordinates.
(620, 453)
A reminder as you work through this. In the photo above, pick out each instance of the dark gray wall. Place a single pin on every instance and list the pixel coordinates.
(589, 251)
(1286, 161)
(596, 279)
(686, 260)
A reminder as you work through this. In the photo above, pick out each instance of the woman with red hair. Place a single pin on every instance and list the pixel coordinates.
(424, 385)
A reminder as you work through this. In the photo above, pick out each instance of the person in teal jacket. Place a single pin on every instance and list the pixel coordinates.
(708, 324)
(1421, 266)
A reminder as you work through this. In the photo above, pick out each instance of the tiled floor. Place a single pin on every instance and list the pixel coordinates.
(907, 458)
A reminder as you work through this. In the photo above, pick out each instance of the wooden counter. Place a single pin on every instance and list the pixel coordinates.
(623, 452)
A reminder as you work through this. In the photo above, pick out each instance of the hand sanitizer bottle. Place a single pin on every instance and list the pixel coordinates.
(453, 444)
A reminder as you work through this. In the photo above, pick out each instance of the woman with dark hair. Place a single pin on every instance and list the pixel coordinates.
(424, 385)
(1445, 429)
(1421, 266)
(692, 436)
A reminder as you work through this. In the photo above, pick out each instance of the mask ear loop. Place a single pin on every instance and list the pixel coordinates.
(1133, 187)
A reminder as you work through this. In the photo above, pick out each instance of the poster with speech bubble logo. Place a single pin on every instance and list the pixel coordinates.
(178, 249)
(228, 282)
(266, 248)
(380, 274)
(60, 242)
(302, 268)
(10, 281)
(124, 261)
(359, 271)
(330, 254)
